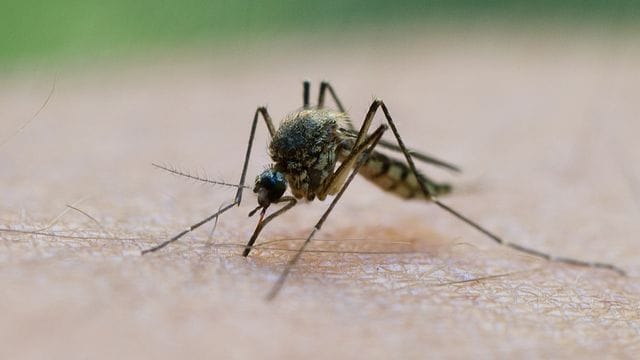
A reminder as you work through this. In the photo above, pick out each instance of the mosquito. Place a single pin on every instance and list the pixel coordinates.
(317, 152)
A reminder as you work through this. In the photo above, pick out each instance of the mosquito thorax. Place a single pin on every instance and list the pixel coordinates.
(270, 186)
(304, 148)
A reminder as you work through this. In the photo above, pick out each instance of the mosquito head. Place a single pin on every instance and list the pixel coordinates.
(270, 185)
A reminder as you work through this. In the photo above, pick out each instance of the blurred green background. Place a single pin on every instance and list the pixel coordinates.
(55, 31)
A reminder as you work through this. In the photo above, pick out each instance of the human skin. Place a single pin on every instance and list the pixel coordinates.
(544, 132)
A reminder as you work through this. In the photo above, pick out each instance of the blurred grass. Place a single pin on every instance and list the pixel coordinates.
(52, 31)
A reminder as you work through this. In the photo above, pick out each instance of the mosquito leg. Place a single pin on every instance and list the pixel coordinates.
(422, 156)
(338, 177)
(305, 94)
(254, 124)
(189, 229)
(291, 202)
(238, 198)
(380, 104)
(417, 155)
(325, 86)
(361, 153)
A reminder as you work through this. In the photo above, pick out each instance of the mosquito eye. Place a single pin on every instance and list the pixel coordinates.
(270, 186)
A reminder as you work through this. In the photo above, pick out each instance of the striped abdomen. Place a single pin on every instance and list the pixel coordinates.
(396, 177)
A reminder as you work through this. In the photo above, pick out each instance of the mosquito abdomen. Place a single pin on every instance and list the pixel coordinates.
(396, 177)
